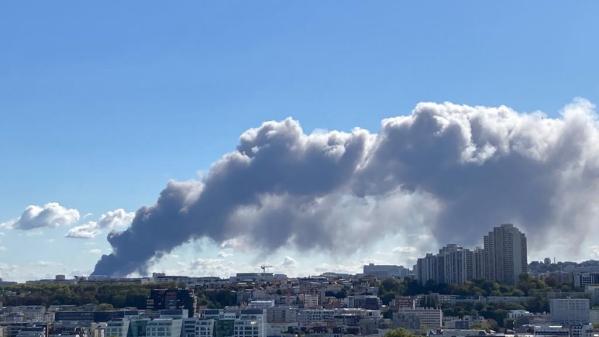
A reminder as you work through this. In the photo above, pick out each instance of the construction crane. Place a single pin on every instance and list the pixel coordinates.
(264, 267)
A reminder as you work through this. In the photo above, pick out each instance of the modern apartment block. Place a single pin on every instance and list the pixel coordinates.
(479, 264)
(452, 265)
(457, 264)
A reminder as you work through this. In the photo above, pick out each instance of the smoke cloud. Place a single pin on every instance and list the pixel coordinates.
(456, 170)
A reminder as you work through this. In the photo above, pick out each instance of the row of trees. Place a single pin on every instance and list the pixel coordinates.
(106, 295)
(527, 286)
(111, 295)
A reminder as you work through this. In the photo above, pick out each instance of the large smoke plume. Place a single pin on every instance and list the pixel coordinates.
(468, 168)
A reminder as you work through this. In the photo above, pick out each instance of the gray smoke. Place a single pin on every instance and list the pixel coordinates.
(464, 169)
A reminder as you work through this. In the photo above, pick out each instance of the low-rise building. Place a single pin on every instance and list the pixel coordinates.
(570, 311)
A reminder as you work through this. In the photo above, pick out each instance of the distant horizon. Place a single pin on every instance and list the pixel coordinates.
(73, 277)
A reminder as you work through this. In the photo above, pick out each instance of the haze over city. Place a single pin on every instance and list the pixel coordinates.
(210, 138)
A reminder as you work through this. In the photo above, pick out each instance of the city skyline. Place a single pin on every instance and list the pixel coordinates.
(367, 266)
(214, 137)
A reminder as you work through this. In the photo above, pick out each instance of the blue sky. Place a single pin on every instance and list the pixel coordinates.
(101, 104)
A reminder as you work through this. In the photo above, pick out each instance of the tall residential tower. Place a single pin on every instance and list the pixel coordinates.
(505, 254)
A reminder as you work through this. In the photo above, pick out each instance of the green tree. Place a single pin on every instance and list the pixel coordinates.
(104, 307)
(401, 332)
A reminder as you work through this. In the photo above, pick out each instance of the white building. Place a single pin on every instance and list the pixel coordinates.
(570, 311)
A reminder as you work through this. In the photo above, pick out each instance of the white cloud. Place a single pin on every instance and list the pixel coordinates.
(37, 270)
(49, 215)
(238, 243)
(289, 262)
(88, 230)
(201, 266)
(115, 220)
(405, 250)
(224, 254)
(339, 268)
(95, 251)
(8, 224)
